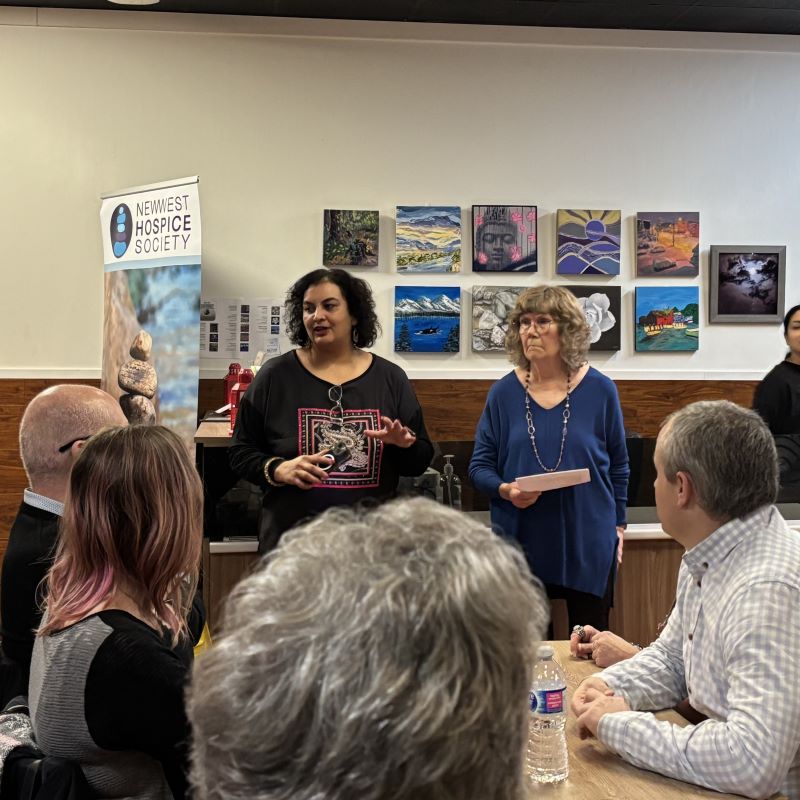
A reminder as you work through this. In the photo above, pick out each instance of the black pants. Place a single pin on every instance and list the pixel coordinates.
(584, 608)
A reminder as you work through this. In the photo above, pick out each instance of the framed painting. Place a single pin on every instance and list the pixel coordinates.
(602, 307)
(491, 306)
(587, 242)
(350, 238)
(428, 239)
(667, 244)
(667, 318)
(746, 283)
(427, 319)
(504, 239)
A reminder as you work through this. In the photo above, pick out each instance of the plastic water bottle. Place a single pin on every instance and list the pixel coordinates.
(546, 756)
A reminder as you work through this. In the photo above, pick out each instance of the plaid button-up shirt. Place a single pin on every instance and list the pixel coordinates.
(732, 646)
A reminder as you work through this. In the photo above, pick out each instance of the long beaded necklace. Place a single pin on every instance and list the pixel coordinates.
(532, 431)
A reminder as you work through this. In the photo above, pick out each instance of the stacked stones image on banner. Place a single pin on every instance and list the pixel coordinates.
(350, 238)
(428, 239)
(427, 319)
(667, 318)
(667, 244)
(602, 307)
(504, 239)
(588, 242)
(491, 306)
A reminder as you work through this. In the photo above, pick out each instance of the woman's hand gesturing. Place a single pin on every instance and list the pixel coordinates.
(393, 432)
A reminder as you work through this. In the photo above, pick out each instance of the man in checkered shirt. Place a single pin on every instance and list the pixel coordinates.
(732, 643)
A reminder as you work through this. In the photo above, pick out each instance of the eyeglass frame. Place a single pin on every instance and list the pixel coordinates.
(68, 445)
(536, 324)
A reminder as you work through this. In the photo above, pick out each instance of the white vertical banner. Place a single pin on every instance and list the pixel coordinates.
(151, 320)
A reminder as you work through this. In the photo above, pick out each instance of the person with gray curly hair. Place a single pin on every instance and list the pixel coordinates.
(381, 656)
(552, 413)
(730, 645)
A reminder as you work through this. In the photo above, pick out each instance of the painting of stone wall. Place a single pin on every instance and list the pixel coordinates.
(491, 306)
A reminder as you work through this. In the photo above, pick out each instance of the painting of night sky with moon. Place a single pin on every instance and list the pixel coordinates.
(588, 242)
(428, 239)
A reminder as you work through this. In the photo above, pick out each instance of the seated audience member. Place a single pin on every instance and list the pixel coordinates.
(111, 659)
(54, 427)
(729, 644)
(373, 655)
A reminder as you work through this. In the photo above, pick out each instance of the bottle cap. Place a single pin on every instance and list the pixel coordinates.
(544, 651)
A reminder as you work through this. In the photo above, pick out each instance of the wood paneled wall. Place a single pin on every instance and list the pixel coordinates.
(451, 408)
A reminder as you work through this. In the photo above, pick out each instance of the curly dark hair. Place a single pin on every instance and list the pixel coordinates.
(357, 294)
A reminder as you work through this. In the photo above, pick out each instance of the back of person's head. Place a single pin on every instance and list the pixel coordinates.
(60, 416)
(132, 520)
(379, 656)
(729, 453)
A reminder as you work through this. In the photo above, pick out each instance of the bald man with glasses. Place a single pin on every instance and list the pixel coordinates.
(54, 427)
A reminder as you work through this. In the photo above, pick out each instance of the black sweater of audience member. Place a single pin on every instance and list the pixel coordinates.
(31, 546)
(286, 412)
(28, 558)
(777, 398)
(108, 693)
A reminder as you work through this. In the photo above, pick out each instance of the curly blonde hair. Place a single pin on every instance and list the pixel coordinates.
(573, 330)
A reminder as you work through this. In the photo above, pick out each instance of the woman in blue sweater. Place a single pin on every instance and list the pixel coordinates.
(554, 412)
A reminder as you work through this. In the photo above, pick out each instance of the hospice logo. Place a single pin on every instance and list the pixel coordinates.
(121, 230)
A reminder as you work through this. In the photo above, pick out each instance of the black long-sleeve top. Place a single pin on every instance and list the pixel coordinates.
(777, 398)
(286, 412)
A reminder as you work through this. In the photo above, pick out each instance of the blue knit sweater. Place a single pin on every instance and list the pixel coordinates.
(569, 535)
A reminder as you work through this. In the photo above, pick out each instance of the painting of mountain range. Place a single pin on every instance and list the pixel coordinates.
(588, 242)
(427, 319)
(428, 239)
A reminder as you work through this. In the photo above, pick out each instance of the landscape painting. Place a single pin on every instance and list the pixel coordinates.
(667, 318)
(491, 306)
(504, 239)
(428, 239)
(667, 244)
(427, 319)
(602, 307)
(588, 242)
(747, 283)
(350, 238)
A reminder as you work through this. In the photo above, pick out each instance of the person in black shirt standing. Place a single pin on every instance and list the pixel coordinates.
(328, 423)
(777, 397)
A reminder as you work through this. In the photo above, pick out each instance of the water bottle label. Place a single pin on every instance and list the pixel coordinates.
(547, 701)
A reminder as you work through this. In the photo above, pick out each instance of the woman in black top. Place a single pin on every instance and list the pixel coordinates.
(328, 423)
(777, 397)
(112, 656)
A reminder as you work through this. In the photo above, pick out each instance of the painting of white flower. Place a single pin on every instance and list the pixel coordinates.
(601, 307)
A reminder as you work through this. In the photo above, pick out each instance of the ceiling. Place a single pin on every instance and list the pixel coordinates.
(731, 16)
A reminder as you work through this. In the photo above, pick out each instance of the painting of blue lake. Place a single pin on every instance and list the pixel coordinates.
(427, 319)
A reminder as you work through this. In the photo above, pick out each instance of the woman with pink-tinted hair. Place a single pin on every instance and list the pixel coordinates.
(112, 655)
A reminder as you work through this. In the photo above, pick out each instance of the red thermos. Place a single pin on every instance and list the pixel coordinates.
(239, 388)
(231, 379)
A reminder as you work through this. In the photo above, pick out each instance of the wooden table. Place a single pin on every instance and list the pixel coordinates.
(594, 772)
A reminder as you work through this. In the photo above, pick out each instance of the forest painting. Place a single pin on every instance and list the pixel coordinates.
(350, 238)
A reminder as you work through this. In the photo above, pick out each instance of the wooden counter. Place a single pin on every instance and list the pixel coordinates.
(595, 772)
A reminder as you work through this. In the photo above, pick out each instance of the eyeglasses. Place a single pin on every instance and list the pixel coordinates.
(65, 447)
(539, 324)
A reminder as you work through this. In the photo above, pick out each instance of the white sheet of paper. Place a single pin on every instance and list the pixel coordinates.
(553, 480)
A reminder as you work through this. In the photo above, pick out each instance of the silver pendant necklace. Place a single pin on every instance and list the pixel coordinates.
(532, 431)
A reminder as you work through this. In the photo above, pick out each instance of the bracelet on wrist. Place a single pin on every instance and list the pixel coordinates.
(270, 465)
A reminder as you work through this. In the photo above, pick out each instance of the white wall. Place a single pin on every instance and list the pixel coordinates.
(283, 118)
